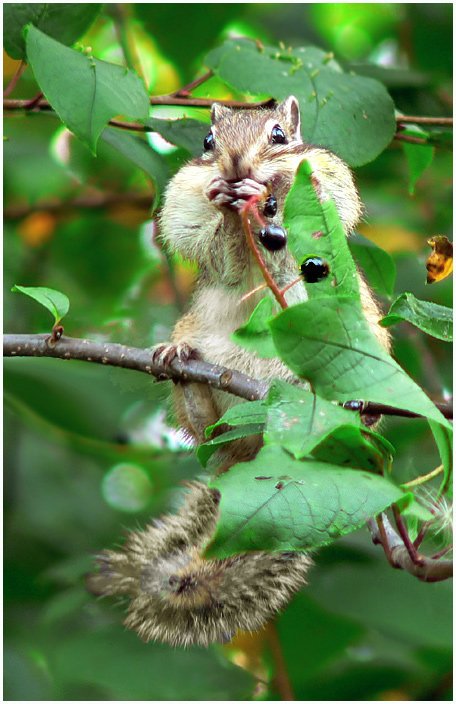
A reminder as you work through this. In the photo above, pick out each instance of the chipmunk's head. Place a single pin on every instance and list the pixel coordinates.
(241, 141)
(266, 145)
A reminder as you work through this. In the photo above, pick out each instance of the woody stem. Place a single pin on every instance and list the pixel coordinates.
(250, 205)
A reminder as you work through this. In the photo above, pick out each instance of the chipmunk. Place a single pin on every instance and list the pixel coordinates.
(176, 594)
(247, 152)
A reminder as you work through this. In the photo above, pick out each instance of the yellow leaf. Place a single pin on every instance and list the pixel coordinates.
(439, 264)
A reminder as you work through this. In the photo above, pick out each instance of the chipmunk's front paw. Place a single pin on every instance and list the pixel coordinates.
(165, 353)
(247, 188)
(220, 192)
(234, 194)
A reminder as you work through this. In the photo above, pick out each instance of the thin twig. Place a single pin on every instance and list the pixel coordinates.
(408, 138)
(42, 104)
(447, 121)
(186, 90)
(416, 559)
(250, 206)
(281, 679)
(14, 81)
(30, 104)
(374, 409)
(428, 570)
(383, 538)
(423, 479)
(88, 200)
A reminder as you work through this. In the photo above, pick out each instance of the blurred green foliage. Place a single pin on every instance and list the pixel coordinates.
(360, 630)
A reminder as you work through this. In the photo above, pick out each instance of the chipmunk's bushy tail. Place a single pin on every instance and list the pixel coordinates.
(177, 596)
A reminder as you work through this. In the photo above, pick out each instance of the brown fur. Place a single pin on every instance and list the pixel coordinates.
(210, 232)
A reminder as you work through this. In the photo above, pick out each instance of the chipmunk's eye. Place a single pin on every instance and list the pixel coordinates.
(208, 142)
(313, 269)
(278, 136)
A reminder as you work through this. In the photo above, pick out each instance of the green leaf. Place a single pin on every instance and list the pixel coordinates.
(207, 449)
(419, 156)
(65, 22)
(186, 132)
(328, 342)
(246, 418)
(241, 414)
(377, 265)
(314, 229)
(99, 90)
(429, 317)
(350, 114)
(352, 447)
(140, 153)
(255, 334)
(294, 505)
(327, 339)
(444, 441)
(156, 670)
(299, 420)
(171, 32)
(55, 301)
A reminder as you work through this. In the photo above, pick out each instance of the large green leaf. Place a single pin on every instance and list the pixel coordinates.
(241, 414)
(139, 152)
(327, 339)
(350, 114)
(328, 342)
(99, 90)
(276, 502)
(304, 423)
(419, 156)
(186, 132)
(183, 33)
(299, 420)
(65, 21)
(444, 441)
(155, 671)
(255, 334)
(376, 264)
(207, 449)
(245, 419)
(429, 317)
(314, 229)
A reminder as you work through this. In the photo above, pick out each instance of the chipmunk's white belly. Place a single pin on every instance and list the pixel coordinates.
(219, 314)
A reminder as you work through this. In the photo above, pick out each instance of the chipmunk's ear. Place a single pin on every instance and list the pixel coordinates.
(290, 110)
(218, 111)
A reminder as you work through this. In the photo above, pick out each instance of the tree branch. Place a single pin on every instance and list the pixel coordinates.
(116, 355)
(444, 121)
(427, 569)
(15, 79)
(281, 678)
(89, 200)
(127, 357)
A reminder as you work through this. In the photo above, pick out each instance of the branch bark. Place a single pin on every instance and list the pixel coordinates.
(117, 355)
(427, 569)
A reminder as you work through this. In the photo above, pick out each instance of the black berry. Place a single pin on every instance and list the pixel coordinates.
(273, 237)
(313, 269)
(270, 206)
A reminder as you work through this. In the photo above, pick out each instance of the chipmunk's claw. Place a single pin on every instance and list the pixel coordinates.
(165, 353)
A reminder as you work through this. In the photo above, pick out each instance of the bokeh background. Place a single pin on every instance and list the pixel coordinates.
(90, 451)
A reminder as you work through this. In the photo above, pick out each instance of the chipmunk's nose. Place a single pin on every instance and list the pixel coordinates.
(236, 167)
